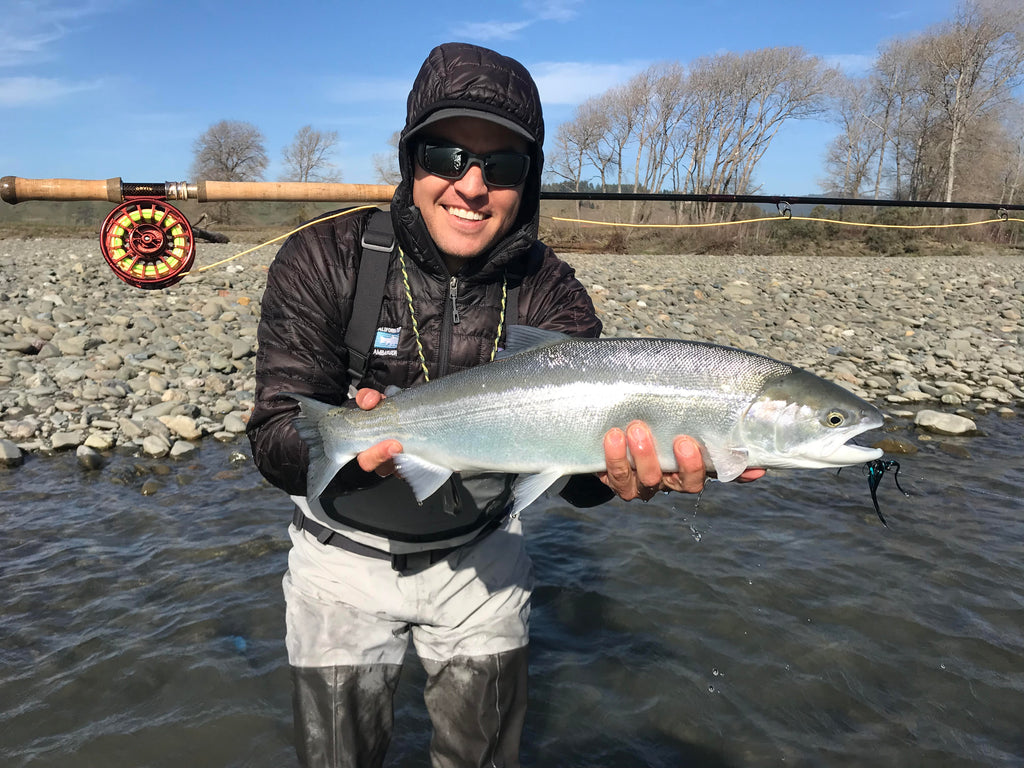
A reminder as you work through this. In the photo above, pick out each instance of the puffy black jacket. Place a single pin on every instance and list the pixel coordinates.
(308, 302)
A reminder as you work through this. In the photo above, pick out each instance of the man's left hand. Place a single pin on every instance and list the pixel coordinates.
(644, 477)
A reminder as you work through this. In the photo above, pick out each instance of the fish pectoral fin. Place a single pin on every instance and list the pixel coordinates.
(729, 462)
(422, 476)
(528, 488)
(521, 338)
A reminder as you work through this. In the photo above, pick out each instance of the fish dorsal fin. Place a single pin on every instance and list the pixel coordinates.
(523, 337)
(529, 487)
(422, 476)
(729, 463)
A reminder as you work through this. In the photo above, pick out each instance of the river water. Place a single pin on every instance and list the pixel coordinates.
(774, 623)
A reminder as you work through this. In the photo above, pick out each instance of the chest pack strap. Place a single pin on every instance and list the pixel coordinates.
(378, 244)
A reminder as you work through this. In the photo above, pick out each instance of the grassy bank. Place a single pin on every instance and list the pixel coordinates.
(813, 232)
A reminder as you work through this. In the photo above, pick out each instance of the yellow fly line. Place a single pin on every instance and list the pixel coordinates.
(784, 218)
(283, 237)
(618, 224)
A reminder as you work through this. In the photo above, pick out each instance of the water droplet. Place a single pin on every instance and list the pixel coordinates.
(715, 672)
(711, 689)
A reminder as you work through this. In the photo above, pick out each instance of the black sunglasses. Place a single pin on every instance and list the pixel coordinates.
(500, 169)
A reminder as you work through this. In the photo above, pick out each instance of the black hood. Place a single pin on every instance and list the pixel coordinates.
(463, 79)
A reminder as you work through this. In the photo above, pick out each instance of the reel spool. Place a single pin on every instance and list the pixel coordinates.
(148, 243)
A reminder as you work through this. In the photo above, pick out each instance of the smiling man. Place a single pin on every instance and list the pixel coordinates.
(369, 567)
(464, 214)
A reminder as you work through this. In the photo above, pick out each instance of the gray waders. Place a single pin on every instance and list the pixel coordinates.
(343, 715)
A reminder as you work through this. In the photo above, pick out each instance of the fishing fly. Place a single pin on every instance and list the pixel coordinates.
(876, 469)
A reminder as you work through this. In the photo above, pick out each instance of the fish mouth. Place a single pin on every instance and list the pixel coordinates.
(820, 457)
(849, 453)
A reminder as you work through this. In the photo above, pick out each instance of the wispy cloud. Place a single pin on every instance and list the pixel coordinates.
(855, 64)
(535, 10)
(30, 28)
(553, 10)
(573, 82)
(33, 91)
(491, 30)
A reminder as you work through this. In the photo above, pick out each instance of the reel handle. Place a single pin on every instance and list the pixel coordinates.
(316, 191)
(14, 189)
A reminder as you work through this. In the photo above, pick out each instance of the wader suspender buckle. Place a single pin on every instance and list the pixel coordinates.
(378, 243)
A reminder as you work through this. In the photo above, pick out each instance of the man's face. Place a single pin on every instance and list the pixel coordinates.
(465, 216)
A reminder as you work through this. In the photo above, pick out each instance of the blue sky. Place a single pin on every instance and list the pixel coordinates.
(99, 88)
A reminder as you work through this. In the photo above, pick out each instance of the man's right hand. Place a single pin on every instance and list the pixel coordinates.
(377, 458)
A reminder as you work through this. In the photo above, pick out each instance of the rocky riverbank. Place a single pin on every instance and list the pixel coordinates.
(90, 363)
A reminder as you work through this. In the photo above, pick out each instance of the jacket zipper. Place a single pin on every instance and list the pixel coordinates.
(448, 320)
(453, 286)
(453, 500)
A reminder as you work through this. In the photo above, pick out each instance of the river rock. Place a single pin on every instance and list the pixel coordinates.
(945, 423)
(182, 426)
(899, 445)
(156, 446)
(233, 423)
(10, 454)
(88, 458)
(63, 440)
(181, 449)
(99, 441)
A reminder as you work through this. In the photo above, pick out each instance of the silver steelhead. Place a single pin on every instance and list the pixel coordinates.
(541, 411)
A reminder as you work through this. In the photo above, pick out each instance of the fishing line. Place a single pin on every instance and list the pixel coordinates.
(286, 235)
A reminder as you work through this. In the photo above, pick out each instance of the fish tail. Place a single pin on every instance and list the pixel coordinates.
(322, 466)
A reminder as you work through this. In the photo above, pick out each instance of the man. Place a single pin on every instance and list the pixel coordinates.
(369, 567)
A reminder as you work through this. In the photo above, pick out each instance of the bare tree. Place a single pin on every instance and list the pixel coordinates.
(307, 158)
(851, 154)
(741, 103)
(892, 88)
(1013, 158)
(579, 147)
(978, 58)
(385, 164)
(230, 150)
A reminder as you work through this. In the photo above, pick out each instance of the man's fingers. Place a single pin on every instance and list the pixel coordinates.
(645, 459)
(619, 474)
(691, 474)
(368, 399)
(378, 458)
(752, 473)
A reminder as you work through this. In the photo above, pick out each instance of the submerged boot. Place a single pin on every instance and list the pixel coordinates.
(343, 715)
(477, 705)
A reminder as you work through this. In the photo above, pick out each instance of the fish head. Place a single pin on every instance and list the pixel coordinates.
(802, 421)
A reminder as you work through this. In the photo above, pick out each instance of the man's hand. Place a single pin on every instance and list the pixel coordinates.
(644, 478)
(377, 458)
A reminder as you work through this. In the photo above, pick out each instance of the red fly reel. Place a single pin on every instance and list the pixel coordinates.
(148, 243)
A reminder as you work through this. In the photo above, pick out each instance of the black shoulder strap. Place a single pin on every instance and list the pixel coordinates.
(512, 306)
(377, 245)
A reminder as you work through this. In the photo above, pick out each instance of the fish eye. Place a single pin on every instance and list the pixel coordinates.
(835, 418)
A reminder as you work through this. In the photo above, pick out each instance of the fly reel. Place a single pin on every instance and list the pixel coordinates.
(148, 243)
